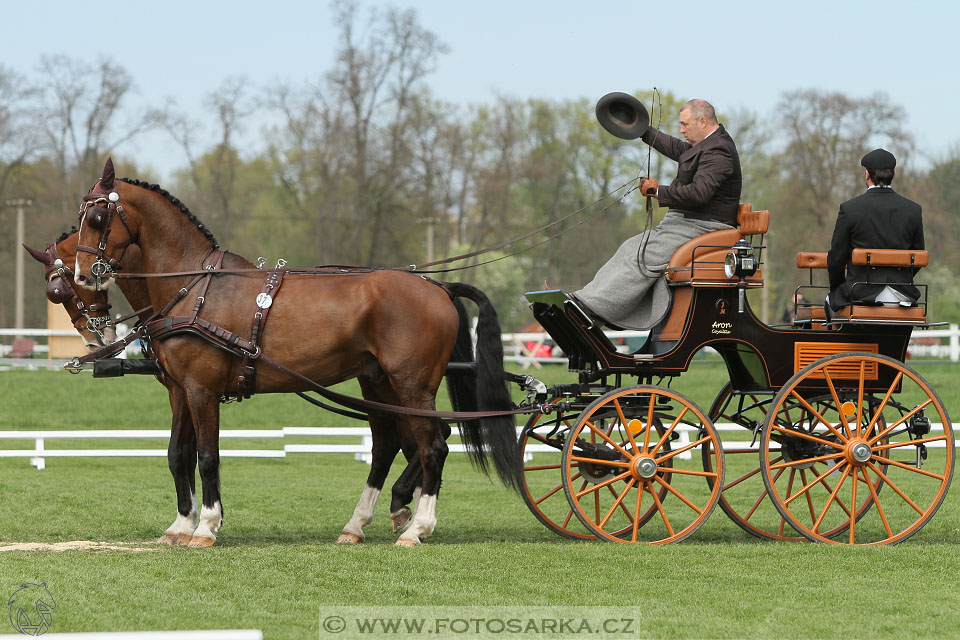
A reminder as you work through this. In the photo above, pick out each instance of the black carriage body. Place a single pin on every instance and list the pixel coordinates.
(758, 357)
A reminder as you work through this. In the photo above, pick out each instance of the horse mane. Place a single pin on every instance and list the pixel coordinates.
(175, 202)
(66, 234)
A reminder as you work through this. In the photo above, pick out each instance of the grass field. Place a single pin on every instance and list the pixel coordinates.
(275, 563)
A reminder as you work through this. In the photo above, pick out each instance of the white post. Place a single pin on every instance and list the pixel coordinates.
(39, 461)
(954, 343)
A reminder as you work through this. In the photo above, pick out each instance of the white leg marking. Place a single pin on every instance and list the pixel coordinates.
(362, 516)
(210, 520)
(423, 523)
(182, 528)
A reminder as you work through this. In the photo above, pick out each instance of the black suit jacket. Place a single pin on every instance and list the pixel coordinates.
(708, 180)
(878, 219)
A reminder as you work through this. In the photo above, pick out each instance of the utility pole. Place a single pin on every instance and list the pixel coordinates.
(430, 222)
(18, 252)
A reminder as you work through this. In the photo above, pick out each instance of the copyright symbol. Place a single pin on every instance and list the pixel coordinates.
(334, 624)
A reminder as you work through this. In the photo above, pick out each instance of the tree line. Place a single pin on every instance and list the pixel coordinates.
(365, 166)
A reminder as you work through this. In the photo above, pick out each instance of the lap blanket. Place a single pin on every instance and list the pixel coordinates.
(630, 290)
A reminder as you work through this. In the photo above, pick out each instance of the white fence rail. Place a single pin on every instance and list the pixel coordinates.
(360, 447)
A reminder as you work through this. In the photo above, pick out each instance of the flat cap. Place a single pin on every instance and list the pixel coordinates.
(879, 159)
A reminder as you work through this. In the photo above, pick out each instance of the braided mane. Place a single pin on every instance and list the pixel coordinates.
(65, 235)
(175, 202)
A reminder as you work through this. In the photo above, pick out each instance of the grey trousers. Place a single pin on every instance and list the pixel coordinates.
(630, 290)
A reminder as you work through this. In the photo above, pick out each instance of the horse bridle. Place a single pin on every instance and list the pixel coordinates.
(97, 211)
(59, 290)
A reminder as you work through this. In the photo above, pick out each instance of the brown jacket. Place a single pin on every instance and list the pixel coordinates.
(708, 176)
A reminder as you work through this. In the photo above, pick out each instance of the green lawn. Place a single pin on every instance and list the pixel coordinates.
(275, 563)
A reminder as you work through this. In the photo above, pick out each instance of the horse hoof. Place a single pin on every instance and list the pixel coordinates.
(349, 538)
(407, 542)
(201, 542)
(183, 539)
(168, 539)
(400, 517)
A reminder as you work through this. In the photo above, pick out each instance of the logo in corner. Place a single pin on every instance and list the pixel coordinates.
(31, 608)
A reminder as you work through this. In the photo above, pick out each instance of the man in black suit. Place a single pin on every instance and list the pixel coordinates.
(629, 290)
(877, 219)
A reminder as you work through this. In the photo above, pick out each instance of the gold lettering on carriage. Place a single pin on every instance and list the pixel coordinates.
(722, 328)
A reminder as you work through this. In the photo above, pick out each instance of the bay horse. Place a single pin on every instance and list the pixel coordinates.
(89, 312)
(393, 331)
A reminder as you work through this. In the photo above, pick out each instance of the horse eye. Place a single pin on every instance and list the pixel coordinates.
(57, 292)
(97, 218)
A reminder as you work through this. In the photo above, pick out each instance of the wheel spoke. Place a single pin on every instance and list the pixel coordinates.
(830, 499)
(666, 434)
(908, 443)
(883, 403)
(853, 507)
(600, 461)
(806, 436)
(679, 495)
(876, 502)
(795, 463)
(646, 434)
(806, 488)
(548, 494)
(676, 452)
(818, 416)
(900, 421)
(824, 482)
(910, 467)
(663, 514)
(836, 400)
(863, 370)
(617, 503)
(601, 485)
(895, 487)
(746, 476)
(543, 467)
(692, 472)
(625, 423)
(622, 506)
(636, 521)
(607, 438)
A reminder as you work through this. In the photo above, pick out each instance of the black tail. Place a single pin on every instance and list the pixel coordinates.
(494, 438)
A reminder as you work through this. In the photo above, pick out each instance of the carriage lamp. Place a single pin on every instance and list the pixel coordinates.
(740, 262)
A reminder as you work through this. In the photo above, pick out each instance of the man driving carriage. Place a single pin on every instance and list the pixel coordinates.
(629, 290)
(876, 219)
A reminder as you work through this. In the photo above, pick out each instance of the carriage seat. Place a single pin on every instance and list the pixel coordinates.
(699, 262)
(878, 313)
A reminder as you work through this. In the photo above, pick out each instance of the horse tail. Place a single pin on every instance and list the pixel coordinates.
(494, 437)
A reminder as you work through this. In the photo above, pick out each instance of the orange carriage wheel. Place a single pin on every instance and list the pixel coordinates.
(542, 441)
(640, 449)
(857, 423)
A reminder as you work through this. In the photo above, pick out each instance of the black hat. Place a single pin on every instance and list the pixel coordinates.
(879, 159)
(623, 115)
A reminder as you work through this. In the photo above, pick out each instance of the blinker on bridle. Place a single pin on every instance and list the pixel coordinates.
(60, 291)
(98, 211)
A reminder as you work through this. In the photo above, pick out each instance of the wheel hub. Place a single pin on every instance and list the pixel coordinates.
(644, 467)
(857, 452)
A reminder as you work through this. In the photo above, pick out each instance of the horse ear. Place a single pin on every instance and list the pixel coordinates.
(40, 256)
(108, 177)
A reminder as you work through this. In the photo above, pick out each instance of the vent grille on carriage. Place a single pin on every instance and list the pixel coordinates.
(805, 353)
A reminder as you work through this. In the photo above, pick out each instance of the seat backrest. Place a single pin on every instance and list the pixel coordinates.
(890, 257)
(702, 257)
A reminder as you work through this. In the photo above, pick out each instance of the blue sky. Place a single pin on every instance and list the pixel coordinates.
(734, 54)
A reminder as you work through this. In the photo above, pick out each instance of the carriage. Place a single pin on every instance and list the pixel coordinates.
(827, 434)
(837, 440)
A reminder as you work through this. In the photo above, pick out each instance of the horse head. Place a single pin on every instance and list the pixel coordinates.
(89, 311)
(106, 228)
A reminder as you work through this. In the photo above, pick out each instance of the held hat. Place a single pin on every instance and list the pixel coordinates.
(623, 115)
(878, 159)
